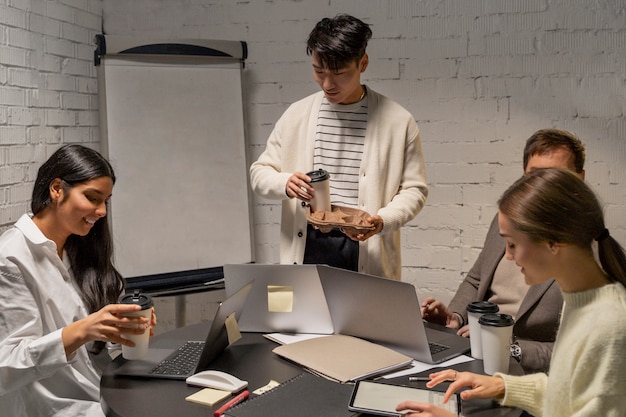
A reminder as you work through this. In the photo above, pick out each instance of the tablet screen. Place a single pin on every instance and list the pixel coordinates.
(381, 399)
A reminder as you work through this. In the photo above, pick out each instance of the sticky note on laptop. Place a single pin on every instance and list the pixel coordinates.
(208, 396)
(232, 329)
(280, 298)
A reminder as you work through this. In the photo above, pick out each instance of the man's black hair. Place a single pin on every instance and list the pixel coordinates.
(339, 41)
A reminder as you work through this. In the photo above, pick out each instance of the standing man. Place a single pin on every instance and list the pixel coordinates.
(370, 146)
(536, 309)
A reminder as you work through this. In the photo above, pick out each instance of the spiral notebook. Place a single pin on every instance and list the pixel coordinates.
(304, 395)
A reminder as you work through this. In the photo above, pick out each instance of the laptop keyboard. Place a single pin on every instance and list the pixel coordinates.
(436, 347)
(182, 362)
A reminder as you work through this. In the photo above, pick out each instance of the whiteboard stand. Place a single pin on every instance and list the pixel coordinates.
(180, 310)
(172, 126)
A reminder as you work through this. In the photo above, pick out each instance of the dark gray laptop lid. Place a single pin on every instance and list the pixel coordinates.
(216, 342)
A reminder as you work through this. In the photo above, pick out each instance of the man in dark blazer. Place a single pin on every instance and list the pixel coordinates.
(536, 308)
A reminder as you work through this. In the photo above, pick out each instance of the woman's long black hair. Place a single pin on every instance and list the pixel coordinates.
(90, 256)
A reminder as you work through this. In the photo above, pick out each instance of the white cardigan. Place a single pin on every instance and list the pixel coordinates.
(392, 179)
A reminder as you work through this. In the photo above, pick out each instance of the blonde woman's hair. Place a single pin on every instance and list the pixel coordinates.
(555, 205)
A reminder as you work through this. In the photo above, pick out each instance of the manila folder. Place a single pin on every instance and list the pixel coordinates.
(343, 358)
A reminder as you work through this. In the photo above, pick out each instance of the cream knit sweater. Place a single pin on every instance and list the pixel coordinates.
(588, 367)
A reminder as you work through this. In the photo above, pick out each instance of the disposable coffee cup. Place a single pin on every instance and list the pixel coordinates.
(141, 340)
(496, 332)
(474, 311)
(320, 181)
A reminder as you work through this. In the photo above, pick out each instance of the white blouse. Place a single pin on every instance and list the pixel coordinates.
(37, 300)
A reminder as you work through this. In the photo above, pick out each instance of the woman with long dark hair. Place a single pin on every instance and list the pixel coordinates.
(550, 219)
(58, 289)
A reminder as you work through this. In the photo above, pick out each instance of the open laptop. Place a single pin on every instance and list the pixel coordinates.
(284, 298)
(387, 312)
(193, 356)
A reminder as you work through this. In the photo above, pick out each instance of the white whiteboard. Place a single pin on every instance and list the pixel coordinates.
(173, 130)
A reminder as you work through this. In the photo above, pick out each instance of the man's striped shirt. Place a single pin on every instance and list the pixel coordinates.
(339, 143)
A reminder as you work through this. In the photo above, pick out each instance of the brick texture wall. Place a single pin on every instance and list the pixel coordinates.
(48, 90)
(479, 76)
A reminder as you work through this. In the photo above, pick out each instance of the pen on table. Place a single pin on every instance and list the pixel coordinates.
(239, 398)
(419, 378)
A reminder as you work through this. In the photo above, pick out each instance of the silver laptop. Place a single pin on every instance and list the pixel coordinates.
(387, 312)
(193, 356)
(284, 298)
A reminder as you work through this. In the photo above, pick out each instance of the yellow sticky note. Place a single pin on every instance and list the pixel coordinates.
(232, 329)
(279, 298)
(208, 396)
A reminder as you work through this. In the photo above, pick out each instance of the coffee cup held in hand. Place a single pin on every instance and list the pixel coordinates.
(142, 341)
(320, 181)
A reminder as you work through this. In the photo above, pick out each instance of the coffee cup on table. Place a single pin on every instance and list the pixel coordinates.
(320, 181)
(496, 331)
(474, 311)
(142, 341)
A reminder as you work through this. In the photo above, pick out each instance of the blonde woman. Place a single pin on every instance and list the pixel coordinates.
(550, 219)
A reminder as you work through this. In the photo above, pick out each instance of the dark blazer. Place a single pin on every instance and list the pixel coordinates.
(537, 320)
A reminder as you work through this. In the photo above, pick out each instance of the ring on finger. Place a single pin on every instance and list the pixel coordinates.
(454, 377)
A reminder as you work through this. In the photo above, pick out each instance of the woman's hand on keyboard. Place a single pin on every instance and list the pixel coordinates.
(481, 386)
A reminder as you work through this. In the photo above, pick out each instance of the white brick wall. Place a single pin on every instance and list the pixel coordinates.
(479, 76)
(47, 89)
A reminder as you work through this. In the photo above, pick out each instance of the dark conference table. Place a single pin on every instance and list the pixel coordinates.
(251, 359)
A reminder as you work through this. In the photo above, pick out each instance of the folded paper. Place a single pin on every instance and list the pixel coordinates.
(343, 358)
